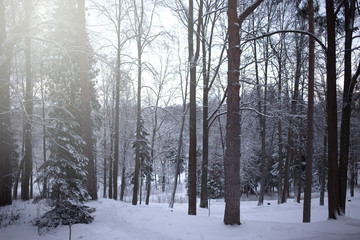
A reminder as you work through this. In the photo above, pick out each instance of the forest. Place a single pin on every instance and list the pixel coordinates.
(134, 100)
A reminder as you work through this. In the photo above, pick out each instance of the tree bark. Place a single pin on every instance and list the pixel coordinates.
(346, 105)
(333, 182)
(86, 125)
(310, 119)
(323, 173)
(232, 152)
(192, 122)
(117, 113)
(25, 183)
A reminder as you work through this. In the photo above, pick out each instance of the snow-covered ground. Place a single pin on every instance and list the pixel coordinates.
(122, 221)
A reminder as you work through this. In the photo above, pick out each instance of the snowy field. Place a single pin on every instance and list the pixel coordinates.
(122, 221)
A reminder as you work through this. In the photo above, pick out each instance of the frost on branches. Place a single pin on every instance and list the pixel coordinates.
(65, 173)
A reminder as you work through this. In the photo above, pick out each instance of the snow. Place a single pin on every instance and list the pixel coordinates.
(119, 220)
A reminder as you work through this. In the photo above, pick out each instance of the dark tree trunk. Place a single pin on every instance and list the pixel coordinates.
(123, 174)
(111, 165)
(232, 152)
(138, 112)
(86, 125)
(5, 131)
(346, 105)
(333, 181)
(205, 155)
(310, 119)
(299, 176)
(105, 162)
(192, 122)
(323, 173)
(352, 172)
(25, 187)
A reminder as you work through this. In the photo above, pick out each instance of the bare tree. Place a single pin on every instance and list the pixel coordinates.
(208, 25)
(143, 37)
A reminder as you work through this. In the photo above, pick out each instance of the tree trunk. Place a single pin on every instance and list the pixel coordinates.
(310, 119)
(333, 182)
(25, 187)
(117, 111)
(205, 155)
(111, 166)
(232, 151)
(262, 124)
(123, 174)
(346, 105)
(105, 162)
(323, 173)
(86, 125)
(138, 112)
(178, 156)
(192, 122)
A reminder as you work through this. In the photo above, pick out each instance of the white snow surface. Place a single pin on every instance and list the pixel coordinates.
(119, 220)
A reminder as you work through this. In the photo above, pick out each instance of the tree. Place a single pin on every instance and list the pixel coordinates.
(144, 154)
(5, 126)
(86, 125)
(207, 33)
(310, 118)
(184, 93)
(349, 84)
(232, 152)
(333, 187)
(193, 57)
(143, 37)
(25, 187)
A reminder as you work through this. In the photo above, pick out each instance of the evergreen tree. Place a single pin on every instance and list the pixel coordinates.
(66, 166)
(144, 152)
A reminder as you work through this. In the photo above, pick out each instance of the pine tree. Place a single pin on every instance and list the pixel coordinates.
(144, 153)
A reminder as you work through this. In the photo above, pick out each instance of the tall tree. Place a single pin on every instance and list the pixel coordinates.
(310, 118)
(193, 57)
(184, 93)
(333, 187)
(143, 37)
(232, 152)
(25, 183)
(207, 34)
(5, 131)
(349, 84)
(117, 105)
(86, 124)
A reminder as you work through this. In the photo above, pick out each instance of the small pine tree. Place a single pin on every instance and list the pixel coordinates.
(144, 146)
(215, 181)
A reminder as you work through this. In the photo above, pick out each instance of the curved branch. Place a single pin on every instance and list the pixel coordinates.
(288, 31)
